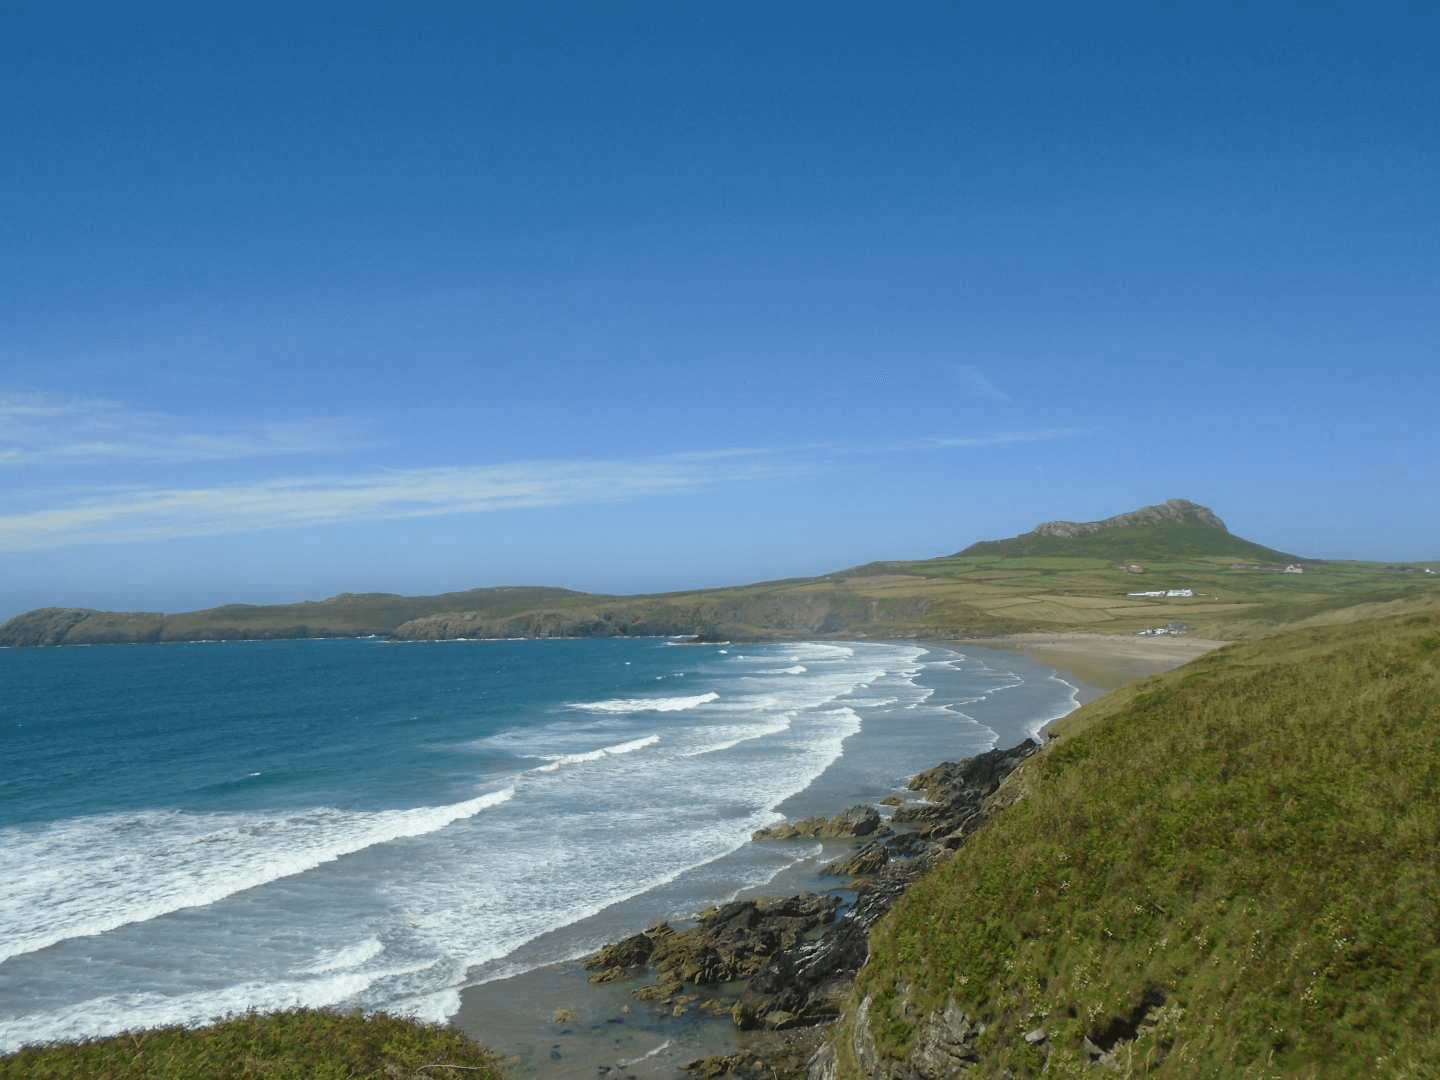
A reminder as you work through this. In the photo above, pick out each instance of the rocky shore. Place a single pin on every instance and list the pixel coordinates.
(781, 967)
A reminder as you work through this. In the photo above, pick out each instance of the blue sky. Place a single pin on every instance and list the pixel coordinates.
(636, 296)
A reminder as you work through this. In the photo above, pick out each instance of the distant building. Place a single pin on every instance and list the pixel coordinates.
(1294, 568)
(1179, 592)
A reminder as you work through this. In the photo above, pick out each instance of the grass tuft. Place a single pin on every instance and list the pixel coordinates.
(302, 1044)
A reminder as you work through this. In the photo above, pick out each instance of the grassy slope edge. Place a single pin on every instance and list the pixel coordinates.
(303, 1044)
(1226, 870)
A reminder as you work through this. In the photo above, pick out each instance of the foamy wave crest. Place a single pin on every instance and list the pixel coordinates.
(658, 704)
(732, 736)
(352, 956)
(595, 755)
(90, 875)
(794, 669)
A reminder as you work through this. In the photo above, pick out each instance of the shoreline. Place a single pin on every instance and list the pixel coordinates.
(1099, 663)
(577, 1029)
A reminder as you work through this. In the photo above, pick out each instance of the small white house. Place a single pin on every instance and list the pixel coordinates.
(1294, 568)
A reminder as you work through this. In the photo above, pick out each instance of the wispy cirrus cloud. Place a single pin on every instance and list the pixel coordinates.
(956, 442)
(141, 514)
(38, 429)
(150, 513)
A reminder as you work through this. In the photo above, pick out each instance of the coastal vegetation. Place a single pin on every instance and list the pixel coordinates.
(303, 1044)
(1227, 870)
(1060, 576)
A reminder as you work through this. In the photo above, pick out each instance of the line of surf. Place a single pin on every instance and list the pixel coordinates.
(655, 704)
(105, 873)
(596, 755)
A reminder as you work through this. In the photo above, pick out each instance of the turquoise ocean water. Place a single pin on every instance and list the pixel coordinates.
(191, 830)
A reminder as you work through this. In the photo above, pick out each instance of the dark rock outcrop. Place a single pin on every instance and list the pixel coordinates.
(728, 943)
(856, 821)
(956, 793)
(780, 965)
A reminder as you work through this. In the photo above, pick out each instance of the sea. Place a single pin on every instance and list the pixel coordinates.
(194, 830)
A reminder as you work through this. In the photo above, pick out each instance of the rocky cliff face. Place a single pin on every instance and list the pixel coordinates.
(43, 626)
(715, 617)
(1179, 511)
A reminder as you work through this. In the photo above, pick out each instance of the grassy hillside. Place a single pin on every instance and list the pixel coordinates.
(1230, 599)
(1227, 870)
(1131, 543)
(300, 1045)
(1079, 578)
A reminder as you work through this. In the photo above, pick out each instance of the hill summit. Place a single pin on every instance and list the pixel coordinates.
(1177, 527)
(1182, 511)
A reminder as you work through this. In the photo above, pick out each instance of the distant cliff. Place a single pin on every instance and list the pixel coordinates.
(346, 615)
(787, 610)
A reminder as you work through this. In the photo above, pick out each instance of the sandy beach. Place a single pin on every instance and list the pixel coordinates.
(1099, 663)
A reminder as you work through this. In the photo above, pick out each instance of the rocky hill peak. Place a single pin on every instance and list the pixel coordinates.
(1181, 511)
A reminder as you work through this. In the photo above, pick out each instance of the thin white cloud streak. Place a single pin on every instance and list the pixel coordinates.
(958, 442)
(36, 429)
(154, 513)
(175, 513)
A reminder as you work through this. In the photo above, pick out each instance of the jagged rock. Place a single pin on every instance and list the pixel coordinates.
(956, 793)
(619, 960)
(856, 821)
(944, 1045)
(864, 862)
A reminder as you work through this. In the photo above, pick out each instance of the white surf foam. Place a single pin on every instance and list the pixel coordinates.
(90, 875)
(658, 704)
(352, 956)
(603, 752)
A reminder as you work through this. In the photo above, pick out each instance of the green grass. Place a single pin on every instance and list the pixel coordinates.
(1135, 542)
(297, 1045)
(1254, 836)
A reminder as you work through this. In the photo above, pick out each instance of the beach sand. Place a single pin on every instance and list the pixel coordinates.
(1099, 663)
(551, 1022)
